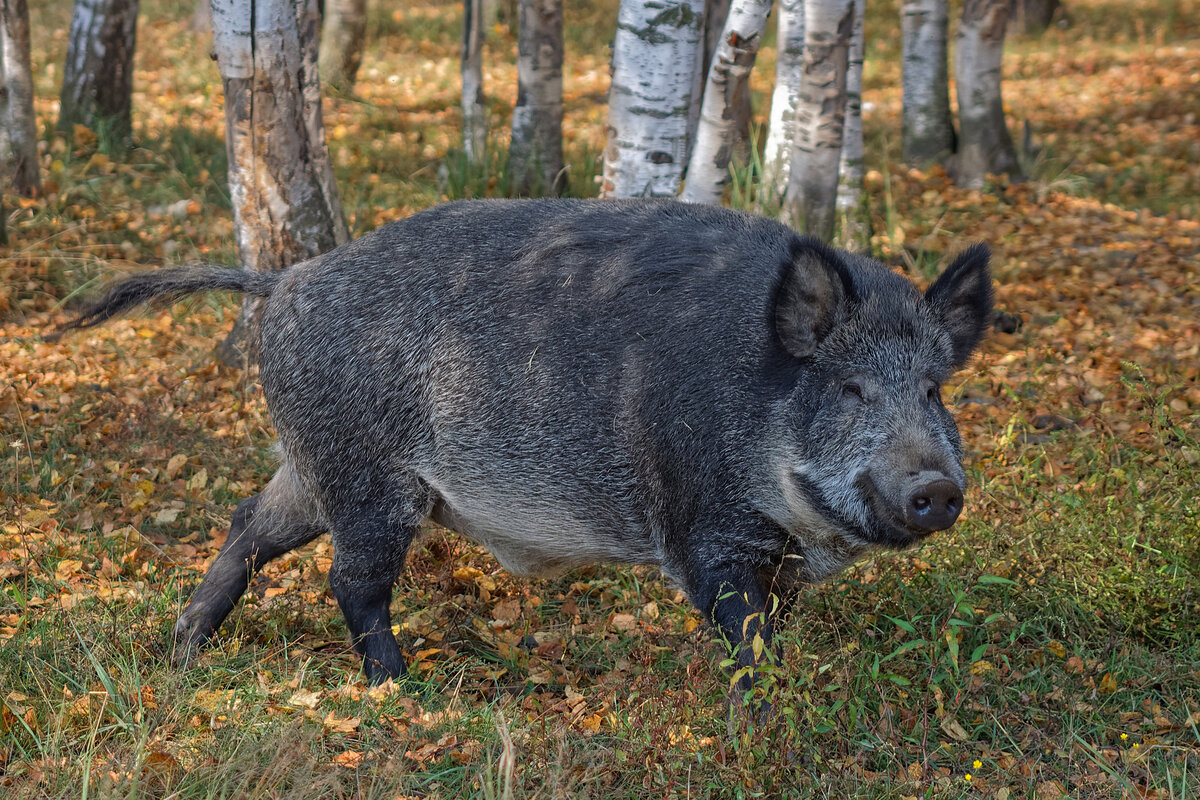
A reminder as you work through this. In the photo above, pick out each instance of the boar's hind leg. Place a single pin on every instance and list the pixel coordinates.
(264, 527)
(369, 546)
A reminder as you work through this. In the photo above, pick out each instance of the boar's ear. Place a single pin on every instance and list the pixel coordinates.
(814, 289)
(962, 297)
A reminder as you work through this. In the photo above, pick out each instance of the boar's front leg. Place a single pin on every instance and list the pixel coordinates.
(735, 600)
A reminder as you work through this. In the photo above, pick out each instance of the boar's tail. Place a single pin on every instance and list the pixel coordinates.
(163, 285)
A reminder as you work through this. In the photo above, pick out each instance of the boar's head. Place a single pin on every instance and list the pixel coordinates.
(871, 457)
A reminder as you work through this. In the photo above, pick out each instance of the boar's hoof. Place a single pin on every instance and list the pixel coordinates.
(933, 506)
(192, 631)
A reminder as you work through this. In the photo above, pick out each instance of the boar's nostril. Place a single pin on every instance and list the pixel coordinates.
(934, 506)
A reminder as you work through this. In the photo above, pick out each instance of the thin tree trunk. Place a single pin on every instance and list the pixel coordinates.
(18, 129)
(286, 207)
(716, 14)
(535, 155)
(820, 118)
(781, 129)
(18, 126)
(852, 231)
(984, 144)
(728, 76)
(342, 39)
(927, 128)
(656, 54)
(1031, 17)
(473, 109)
(97, 86)
(201, 17)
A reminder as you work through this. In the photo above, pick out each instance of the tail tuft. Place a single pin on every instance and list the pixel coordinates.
(165, 285)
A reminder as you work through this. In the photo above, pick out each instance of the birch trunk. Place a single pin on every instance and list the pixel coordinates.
(535, 156)
(97, 86)
(656, 53)
(716, 13)
(820, 118)
(285, 202)
(927, 128)
(852, 230)
(342, 40)
(18, 128)
(781, 128)
(728, 78)
(474, 111)
(984, 144)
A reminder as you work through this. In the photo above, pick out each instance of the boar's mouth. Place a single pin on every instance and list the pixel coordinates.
(882, 527)
(885, 526)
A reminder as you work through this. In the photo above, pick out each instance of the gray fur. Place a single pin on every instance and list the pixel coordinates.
(574, 382)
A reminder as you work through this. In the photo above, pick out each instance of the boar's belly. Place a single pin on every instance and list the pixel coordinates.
(536, 538)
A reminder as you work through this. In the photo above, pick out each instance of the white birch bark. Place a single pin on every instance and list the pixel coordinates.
(342, 39)
(781, 127)
(286, 207)
(984, 143)
(852, 217)
(927, 128)
(18, 128)
(97, 88)
(474, 111)
(535, 159)
(728, 76)
(820, 118)
(656, 52)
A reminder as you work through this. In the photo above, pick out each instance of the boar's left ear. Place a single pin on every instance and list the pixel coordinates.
(962, 297)
(815, 287)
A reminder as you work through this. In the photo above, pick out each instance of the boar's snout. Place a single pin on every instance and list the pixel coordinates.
(934, 503)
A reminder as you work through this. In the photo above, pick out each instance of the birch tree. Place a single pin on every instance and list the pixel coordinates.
(474, 112)
(728, 77)
(656, 53)
(927, 129)
(18, 126)
(97, 85)
(716, 13)
(286, 207)
(781, 127)
(820, 117)
(852, 229)
(342, 39)
(535, 159)
(984, 143)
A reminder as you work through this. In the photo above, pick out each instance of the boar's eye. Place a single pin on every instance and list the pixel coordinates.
(852, 391)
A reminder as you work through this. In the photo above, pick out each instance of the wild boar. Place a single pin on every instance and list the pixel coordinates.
(580, 382)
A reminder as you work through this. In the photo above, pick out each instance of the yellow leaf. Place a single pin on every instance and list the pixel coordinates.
(1108, 684)
(1057, 648)
(214, 700)
(175, 464)
(341, 724)
(950, 726)
(624, 622)
(982, 666)
(198, 480)
(302, 698)
(67, 568)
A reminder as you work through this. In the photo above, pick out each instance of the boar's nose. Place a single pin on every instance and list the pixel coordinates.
(933, 505)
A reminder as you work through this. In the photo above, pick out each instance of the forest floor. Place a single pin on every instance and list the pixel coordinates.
(1048, 646)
